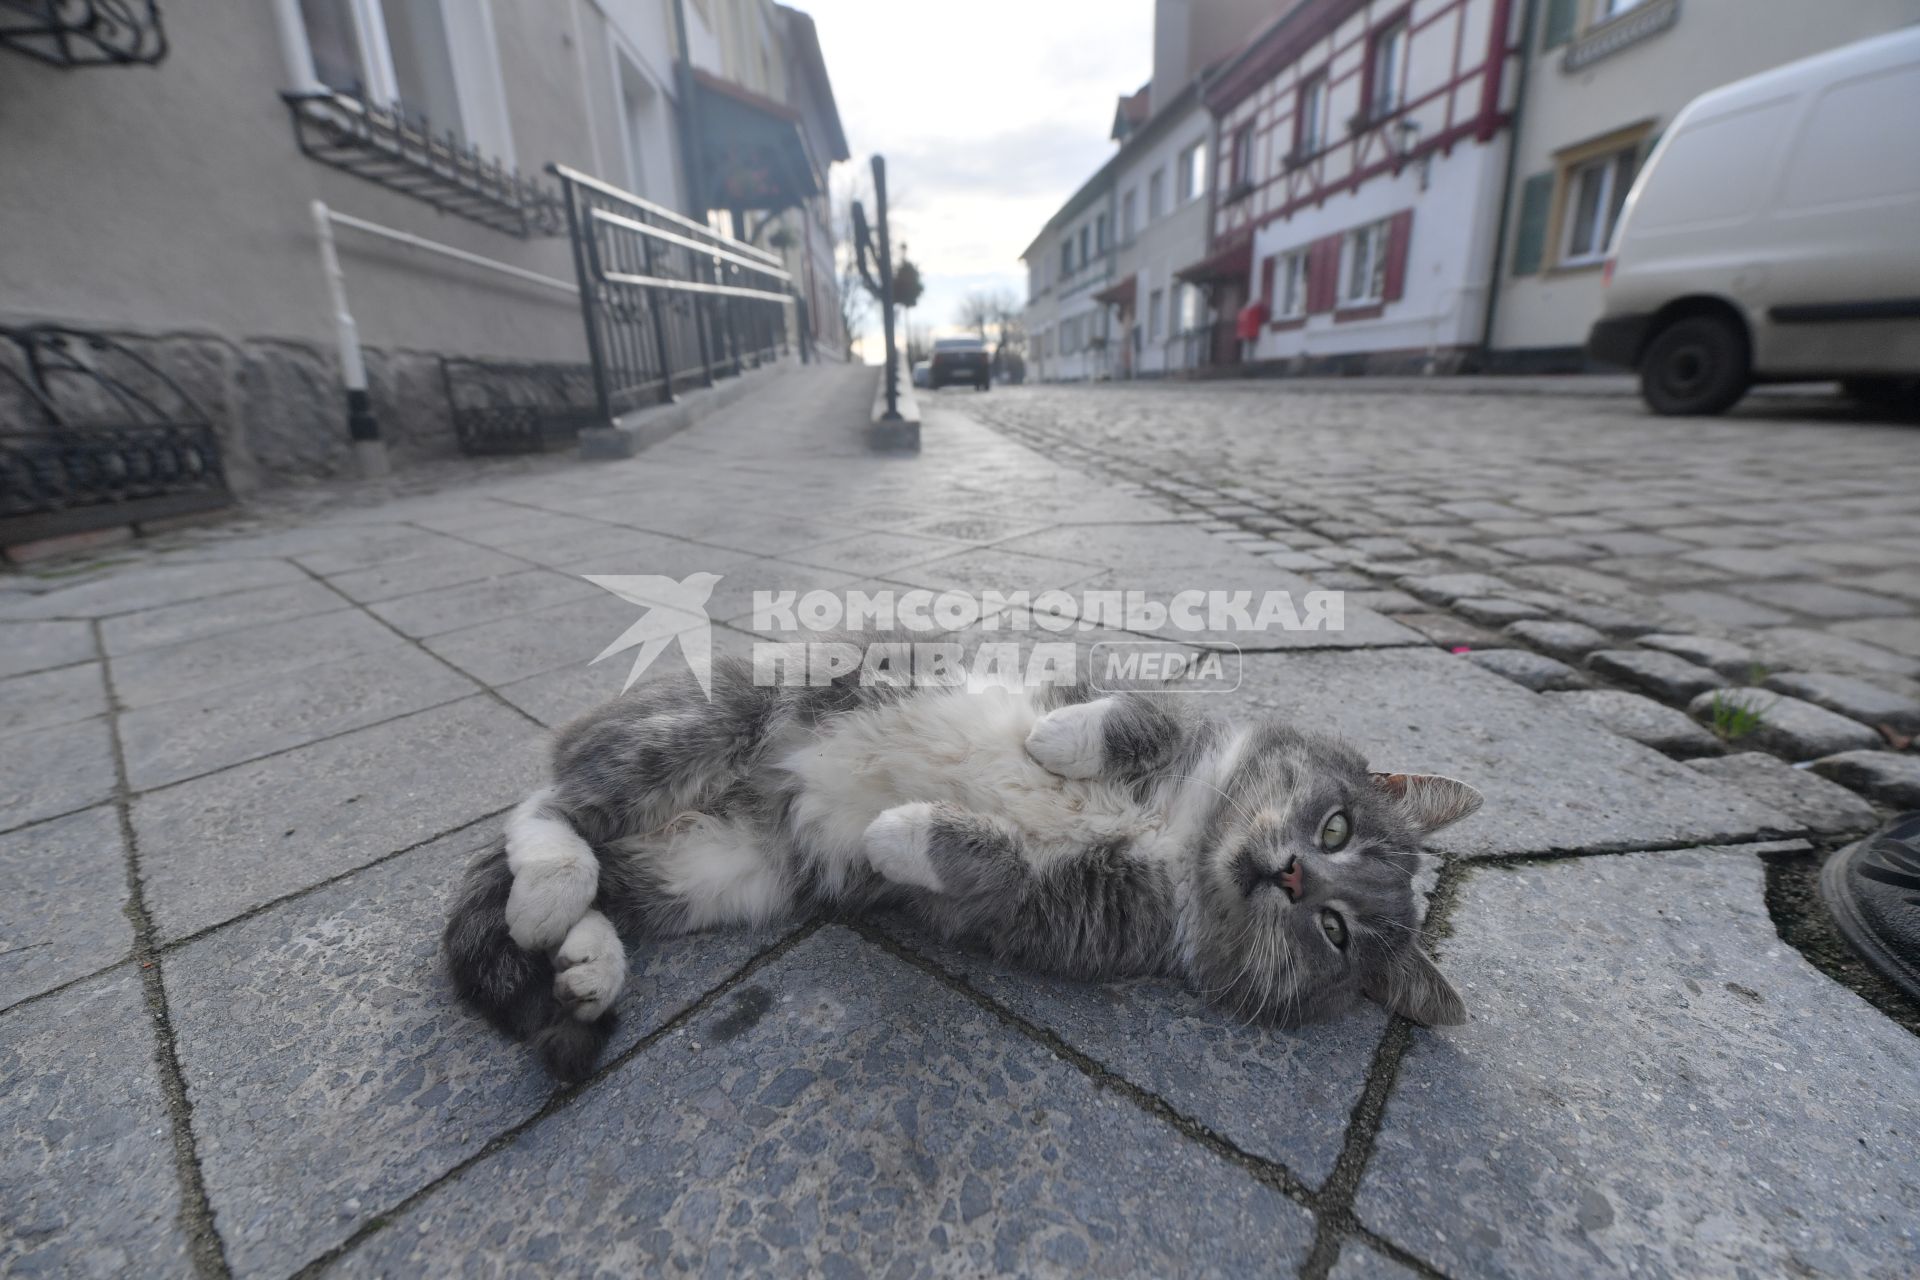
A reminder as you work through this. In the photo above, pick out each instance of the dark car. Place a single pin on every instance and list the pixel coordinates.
(960, 360)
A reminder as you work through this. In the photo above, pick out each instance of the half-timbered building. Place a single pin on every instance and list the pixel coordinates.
(1362, 151)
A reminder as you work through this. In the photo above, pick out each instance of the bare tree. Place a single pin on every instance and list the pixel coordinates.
(854, 302)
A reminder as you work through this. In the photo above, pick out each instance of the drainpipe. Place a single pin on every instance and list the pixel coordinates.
(368, 448)
(1506, 186)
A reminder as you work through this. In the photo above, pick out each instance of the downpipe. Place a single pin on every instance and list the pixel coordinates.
(369, 450)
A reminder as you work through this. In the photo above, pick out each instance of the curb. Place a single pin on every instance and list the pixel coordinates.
(901, 433)
(643, 428)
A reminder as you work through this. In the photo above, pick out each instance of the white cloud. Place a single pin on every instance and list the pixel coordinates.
(990, 115)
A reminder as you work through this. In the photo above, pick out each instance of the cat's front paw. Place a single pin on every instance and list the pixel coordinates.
(1071, 742)
(897, 846)
(590, 968)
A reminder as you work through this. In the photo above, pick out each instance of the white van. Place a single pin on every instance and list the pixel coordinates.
(1774, 236)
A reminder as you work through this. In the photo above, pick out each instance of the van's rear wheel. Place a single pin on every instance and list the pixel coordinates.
(1696, 365)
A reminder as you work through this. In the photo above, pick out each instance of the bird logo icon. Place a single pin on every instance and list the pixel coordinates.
(675, 610)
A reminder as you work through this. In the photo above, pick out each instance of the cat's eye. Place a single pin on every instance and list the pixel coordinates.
(1334, 927)
(1336, 831)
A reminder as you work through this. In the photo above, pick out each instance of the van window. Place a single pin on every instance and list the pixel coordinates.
(1714, 170)
(1861, 141)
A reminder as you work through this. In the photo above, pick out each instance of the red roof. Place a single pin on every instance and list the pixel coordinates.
(1132, 111)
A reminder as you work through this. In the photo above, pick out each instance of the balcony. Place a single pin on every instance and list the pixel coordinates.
(402, 153)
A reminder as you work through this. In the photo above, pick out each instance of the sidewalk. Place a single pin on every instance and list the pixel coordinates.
(243, 771)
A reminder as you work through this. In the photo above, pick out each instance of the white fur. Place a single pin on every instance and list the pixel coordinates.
(721, 872)
(897, 846)
(958, 747)
(1072, 741)
(590, 968)
(555, 875)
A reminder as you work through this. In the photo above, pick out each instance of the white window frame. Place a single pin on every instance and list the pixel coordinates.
(1363, 252)
(1290, 286)
(1605, 214)
(473, 51)
(1190, 171)
(1608, 10)
(1313, 123)
(1390, 48)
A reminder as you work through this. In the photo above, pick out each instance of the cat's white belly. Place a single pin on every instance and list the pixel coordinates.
(958, 747)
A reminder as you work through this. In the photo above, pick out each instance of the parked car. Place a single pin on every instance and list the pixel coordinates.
(1771, 236)
(959, 360)
(923, 373)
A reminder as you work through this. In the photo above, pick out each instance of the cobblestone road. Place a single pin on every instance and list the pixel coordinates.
(241, 768)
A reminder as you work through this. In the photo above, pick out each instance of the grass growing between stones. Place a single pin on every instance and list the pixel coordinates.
(1733, 720)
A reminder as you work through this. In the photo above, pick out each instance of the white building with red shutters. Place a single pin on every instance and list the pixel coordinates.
(1362, 152)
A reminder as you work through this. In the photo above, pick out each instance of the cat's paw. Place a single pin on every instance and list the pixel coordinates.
(555, 876)
(590, 968)
(897, 846)
(1071, 742)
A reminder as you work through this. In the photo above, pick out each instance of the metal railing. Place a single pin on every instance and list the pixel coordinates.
(865, 246)
(666, 301)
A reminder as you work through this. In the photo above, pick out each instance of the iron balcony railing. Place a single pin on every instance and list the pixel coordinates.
(84, 33)
(667, 303)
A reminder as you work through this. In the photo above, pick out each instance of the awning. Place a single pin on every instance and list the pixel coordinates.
(1119, 295)
(1230, 263)
(752, 150)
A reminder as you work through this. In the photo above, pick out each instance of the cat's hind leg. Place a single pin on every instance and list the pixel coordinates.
(555, 874)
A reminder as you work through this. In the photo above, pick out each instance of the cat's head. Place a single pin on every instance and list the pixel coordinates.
(1306, 885)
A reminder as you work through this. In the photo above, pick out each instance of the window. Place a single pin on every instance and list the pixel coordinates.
(1385, 65)
(1240, 170)
(1604, 10)
(1595, 192)
(1290, 289)
(1156, 195)
(1066, 258)
(1085, 254)
(1310, 117)
(1193, 171)
(1156, 315)
(1190, 307)
(1363, 265)
(1127, 227)
(1100, 233)
(405, 55)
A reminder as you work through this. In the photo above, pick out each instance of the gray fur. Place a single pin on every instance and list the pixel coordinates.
(1217, 914)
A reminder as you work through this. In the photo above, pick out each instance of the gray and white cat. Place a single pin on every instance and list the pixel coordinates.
(1092, 836)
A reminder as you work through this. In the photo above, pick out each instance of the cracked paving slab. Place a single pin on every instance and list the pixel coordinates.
(1651, 1083)
(844, 1114)
(333, 1074)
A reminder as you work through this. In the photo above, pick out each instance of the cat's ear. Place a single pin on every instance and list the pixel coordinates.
(1413, 987)
(1429, 800)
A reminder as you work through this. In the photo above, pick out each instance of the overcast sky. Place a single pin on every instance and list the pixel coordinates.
(990, 114)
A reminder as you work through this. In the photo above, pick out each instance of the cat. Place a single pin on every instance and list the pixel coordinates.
(1087, 834)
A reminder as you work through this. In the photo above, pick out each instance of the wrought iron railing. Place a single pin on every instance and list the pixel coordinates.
(667, 302)
(93, 435)
(517, 406)
(84, 33)
(402, 153)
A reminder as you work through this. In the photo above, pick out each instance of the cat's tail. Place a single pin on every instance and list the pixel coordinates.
(512, 987)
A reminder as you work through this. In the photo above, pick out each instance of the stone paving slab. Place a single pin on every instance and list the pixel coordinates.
(488, 600)
(174, 624)
(60, 918)
(218, 845)
(422, 573)
(842, 1114)
(1284, 1096)
(1359, 1262)
(151, 588)
(508, 649)
(85, 1153)
(1553, 780)
(172, 741)
(69, 768)
(1662, 1087)
(216, 662)
(331, 1071)
(45, 698)
(38, 646)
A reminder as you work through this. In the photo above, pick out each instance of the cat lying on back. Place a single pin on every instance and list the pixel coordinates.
(1093, 836)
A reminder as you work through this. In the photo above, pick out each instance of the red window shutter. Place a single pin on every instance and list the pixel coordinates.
(1399, 236)
(1323, 267)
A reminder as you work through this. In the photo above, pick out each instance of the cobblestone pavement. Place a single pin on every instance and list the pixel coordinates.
(243, 766)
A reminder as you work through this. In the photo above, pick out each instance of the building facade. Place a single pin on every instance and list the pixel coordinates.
(1069, 266)
(1362, 149)
(170, 205)
(1603, 79)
